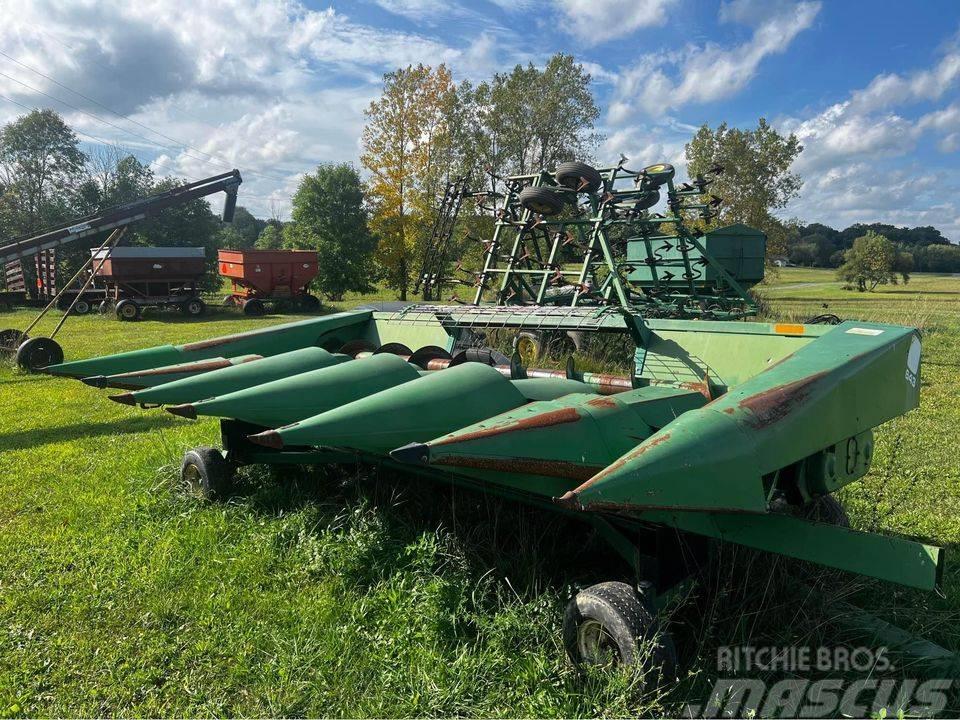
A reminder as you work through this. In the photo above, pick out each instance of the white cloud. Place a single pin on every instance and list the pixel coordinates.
(596, 21)
(891, 90)
(700, 74)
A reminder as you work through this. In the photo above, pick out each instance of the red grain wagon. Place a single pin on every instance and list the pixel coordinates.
(277, 276)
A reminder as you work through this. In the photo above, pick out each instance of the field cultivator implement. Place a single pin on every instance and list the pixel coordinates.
(713, 431)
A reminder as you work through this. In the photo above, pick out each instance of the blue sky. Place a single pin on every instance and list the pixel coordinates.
(871, 88)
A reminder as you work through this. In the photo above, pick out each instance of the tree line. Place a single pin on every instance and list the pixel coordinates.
(371, 224)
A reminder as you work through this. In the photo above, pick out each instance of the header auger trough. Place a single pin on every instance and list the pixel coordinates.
(719, 431)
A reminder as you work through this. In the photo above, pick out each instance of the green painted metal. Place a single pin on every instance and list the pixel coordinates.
(551, 447)
(267, 341)
(415, 411)
(168, 373)
(231, 379)
(294, 398)
(724, 456)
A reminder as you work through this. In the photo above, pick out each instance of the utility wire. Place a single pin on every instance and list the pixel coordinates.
(153, 143)
(133, 151)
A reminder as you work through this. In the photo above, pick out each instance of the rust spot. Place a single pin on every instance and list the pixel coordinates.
(729, 410)
(540, 420)
(771, 406)
(530, 466)
(438, 364)
(602, 402)
(623, 460)
(197, 367)
(569, 500)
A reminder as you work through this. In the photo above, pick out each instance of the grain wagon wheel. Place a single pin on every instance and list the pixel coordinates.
(254, 307)
(81, 307)
(579, 176)
(541, 200)
(612, 624)
(309, 303)
(205, 473)
(194, 307)
(128, 310)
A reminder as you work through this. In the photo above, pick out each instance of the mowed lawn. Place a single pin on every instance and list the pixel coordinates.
(355, 592)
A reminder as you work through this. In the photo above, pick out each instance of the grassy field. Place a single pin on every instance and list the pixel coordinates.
(357, 593)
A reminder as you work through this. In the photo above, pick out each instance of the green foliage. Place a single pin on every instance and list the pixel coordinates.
(271, 237)
(40, 166)
(873, 260)
(329, 217)
(756, 178)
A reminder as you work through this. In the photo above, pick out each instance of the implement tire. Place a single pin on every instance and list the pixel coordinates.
(612, 624)
(205, 473)
(579, 176)
(128, 310)
(541, 200)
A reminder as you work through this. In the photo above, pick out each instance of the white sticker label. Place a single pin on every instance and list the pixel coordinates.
(913, 362)
(864, 331)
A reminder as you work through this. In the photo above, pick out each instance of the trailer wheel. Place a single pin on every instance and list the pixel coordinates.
(39, 352)
(826, 509)
(194, 307)
(579, 176)
(253, 307)
(612, 624)
(128, 310)
(104, 307)
(81, 307)
(205, 473)
(541, 200)
(309, 303)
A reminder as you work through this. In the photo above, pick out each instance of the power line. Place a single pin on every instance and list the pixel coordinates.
(149, 141)
(102, 141)
(119, 114)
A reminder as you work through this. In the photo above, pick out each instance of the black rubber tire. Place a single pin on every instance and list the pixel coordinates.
(194, 307)
(104, 307)
(541, 200)
(826, 509)
(628, 625)
(39, 352)
(127, 310)
(579, 176)
(647, 200)
(309, 303)
(254, 307)
(659, 174)
(205, 473)
(81, 307)
(11, 340)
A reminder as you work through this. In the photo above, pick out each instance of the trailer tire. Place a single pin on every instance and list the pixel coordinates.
(579, 176)
(81, 307)
(612, 624)
(253, 307)
(104, 307)
(128, 310)
(827, 509)
(309, 303)
(541, 200)
(194, 307)
(205, 473)
(38, 353)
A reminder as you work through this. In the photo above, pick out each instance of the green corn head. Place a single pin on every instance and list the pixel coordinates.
(723, 429)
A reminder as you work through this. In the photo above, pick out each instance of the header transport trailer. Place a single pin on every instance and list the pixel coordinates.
(719, 431)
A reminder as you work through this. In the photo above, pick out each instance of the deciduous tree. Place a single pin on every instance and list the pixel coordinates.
(874, 260)
(329, 216)
(756, 175)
